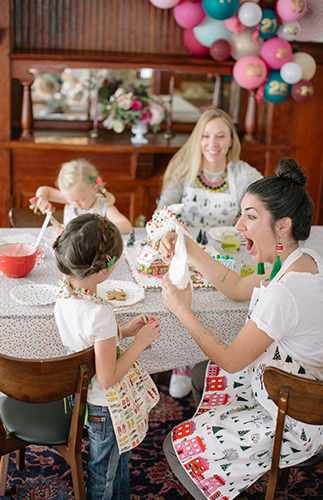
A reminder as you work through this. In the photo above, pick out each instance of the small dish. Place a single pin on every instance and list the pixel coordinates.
(217, 233)
(134, 293)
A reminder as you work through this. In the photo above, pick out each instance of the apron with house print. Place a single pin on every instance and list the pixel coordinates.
(228, 443)
(202, 207)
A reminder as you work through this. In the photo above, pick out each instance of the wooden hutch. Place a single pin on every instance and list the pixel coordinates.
(52, 35)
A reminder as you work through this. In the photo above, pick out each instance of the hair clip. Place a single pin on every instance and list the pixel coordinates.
(111, 260)
(96, 180)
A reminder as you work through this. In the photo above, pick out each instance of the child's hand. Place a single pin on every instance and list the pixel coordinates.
(167, 244)
(148, 334)
(132, 328)
(43, 204)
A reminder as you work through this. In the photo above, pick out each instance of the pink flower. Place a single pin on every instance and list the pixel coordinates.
(136, 105)
(145, 117)
(157, 113)
(125, 100)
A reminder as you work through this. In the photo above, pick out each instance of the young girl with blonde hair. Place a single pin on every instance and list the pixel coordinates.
(81, 189)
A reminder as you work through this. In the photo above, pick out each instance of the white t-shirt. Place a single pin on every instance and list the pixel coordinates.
(81, 323)
(290, 311)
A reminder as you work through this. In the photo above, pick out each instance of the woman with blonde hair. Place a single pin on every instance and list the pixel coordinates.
(206, 174)
(207, 177)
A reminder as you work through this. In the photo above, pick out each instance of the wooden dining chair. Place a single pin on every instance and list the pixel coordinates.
(24, 217)
(34, 410)
(301, 399)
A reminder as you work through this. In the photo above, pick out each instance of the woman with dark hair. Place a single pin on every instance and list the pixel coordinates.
(227, 445)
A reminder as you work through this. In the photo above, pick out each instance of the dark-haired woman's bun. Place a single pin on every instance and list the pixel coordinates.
(289, 169)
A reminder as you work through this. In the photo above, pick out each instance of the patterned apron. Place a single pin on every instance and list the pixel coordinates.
(228, 443)
(208, 208)
(130, 400)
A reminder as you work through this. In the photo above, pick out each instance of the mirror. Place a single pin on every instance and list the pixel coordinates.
(70, 95)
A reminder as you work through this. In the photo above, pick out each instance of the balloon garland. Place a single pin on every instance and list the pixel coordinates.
(257, 35)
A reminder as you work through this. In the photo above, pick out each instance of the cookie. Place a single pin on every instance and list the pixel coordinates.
(116, 295)
(196, 280)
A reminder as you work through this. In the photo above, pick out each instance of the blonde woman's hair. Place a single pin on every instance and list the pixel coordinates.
(78, 172)
(185, 164)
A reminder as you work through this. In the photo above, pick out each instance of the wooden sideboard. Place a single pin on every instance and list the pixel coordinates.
(71, 34)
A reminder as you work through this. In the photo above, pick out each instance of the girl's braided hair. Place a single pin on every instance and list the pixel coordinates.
(83, 247)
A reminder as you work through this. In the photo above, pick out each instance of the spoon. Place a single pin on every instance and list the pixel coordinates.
(44, 226)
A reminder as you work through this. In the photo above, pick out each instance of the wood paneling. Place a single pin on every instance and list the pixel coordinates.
(95, 25)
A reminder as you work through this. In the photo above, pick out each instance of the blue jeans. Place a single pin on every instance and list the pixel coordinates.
(108, 474)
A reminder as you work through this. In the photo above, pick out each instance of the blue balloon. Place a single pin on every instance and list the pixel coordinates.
(276, 90)
(220, 9)
(269, 24)
(211, 30)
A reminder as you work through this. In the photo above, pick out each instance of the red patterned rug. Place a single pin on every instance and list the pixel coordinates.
(47, 476)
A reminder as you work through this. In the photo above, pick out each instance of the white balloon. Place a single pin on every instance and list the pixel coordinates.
(242, 44)
(291, 72)
(307, 63)
(289, 30)
(249, 14)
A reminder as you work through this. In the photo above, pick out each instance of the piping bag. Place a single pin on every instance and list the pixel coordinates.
(179, 273)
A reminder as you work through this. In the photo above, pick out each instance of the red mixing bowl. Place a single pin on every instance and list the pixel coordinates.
(17, 259)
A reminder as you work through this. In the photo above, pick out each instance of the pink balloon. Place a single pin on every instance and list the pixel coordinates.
(276, 52)
(234, 24)
(193, 45)
(220, 50)
(250, 72)
(291, 10)
(164, 4)
(302, 91)
(188, 14)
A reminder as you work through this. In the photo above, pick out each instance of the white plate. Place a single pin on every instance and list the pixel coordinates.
(217, 232)
(34, 295)
(134, 293)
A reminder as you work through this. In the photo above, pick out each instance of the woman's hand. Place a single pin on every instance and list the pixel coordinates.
(167, 244)
(177, 301)
(134, 326)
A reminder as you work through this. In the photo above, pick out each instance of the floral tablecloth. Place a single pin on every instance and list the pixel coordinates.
(30, 331)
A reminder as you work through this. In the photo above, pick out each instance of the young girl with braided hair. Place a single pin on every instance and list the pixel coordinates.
(86, 253)
(82, 191)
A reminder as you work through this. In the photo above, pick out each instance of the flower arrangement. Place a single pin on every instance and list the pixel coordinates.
(129, 104)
